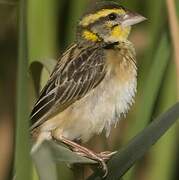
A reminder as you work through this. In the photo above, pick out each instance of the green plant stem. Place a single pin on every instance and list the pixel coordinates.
(42, 29)
(174, 28)
(22, 152)
(155, 11)
(76, 9)
(42, 40)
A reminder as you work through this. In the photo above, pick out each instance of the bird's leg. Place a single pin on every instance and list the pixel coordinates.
(106, 155)
(85, 152)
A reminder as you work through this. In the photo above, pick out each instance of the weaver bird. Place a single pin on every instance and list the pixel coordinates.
(93, 83)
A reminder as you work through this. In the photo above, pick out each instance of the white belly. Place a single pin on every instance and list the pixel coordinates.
(100, 109)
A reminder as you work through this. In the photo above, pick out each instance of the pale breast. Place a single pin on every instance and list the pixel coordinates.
(104, 105)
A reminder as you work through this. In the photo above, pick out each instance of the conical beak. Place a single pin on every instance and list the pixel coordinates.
(131, 18)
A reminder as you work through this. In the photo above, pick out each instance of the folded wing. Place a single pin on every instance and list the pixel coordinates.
(77, 72)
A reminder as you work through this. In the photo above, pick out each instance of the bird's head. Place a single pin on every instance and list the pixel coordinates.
(108, 23)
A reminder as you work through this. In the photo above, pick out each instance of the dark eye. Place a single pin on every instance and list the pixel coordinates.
(112, 16)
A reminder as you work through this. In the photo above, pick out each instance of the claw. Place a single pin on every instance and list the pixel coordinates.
(98, 159)
(82, 151)
(106, 155)
(104, 167)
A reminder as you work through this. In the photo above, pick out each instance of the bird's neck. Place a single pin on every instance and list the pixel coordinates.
(86, 37)
(117, 35)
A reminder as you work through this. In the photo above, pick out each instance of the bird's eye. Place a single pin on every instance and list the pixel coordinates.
(112, 16)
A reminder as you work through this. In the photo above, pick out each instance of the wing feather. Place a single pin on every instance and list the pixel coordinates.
(77, 72)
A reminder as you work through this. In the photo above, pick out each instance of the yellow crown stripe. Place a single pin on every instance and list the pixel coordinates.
(91, 18)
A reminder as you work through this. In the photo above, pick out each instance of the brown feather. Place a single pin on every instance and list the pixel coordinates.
(77, 72)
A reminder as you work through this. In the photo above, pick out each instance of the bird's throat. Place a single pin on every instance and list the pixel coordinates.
(119, 33)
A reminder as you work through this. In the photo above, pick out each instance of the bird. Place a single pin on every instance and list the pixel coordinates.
(93, 83)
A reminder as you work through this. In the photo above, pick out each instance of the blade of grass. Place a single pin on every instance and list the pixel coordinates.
(155, 12)
(45, 164)
(42, 36)
(139, 145)
(76, 9)
(63, 154)
(163, 155)
(174, 28)
(22, 155)
(51, 152)
(40, 71)
(48, 64)
(42, 28)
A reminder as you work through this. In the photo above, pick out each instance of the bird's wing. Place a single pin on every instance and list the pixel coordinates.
(77, 72)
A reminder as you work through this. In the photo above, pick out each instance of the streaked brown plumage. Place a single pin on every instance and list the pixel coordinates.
(74, 78)
(71, 79)
(93, 83)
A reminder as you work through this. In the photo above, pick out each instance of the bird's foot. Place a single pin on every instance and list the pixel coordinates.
(101, 158)
(85, 152)
(82, 151)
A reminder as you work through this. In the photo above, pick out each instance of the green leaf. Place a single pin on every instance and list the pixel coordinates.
(155, 11)
(22, 149)
(50, 153)
(48, 64)
(45, 166)
(63, 154)
(139, 145)
(76, 9)
(165, 151)
(42, 28)
(40, 70)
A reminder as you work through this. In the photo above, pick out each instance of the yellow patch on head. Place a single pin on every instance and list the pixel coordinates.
(90, 36)
(91, 18)
(120, 33)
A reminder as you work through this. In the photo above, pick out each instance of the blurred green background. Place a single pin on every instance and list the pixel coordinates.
(50, 29)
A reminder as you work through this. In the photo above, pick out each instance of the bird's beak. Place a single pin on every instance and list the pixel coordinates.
(131, 18)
